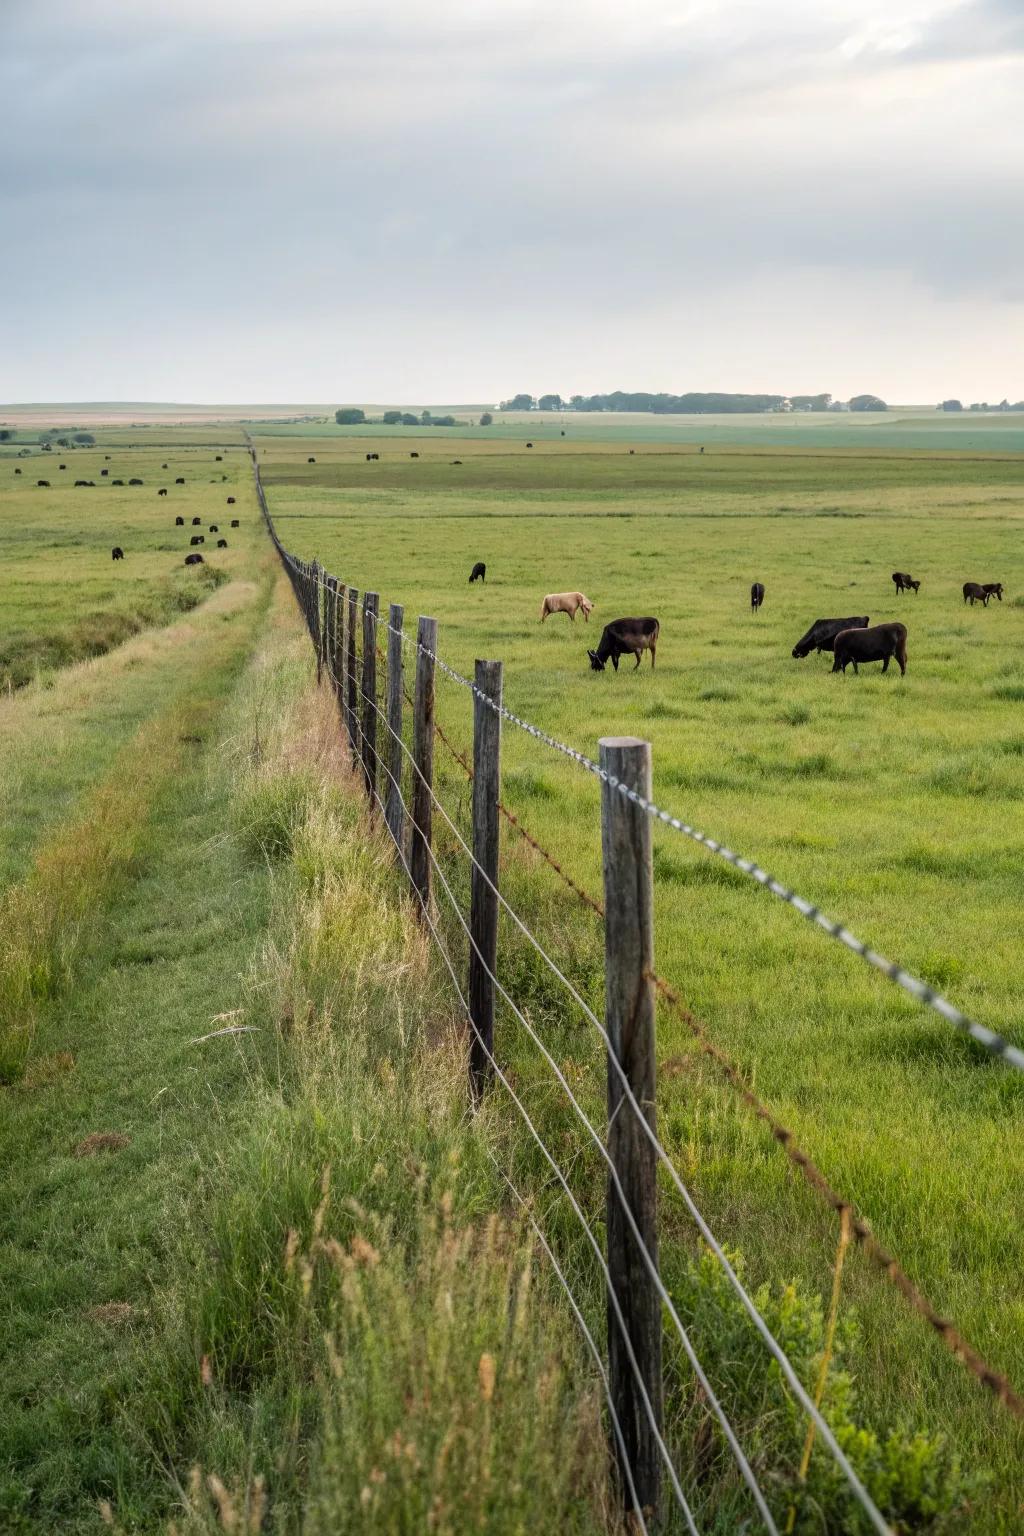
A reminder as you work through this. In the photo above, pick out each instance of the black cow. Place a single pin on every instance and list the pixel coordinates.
(529, 445)
(218, 458)
(974, 592)
(44, 483)
(456, 461)
(104, 472)
(905, 582)
(17, 471)
(822, 635)
(180, 480)
(231, 501)
(414, 455)
(213, 528)
(62, 466)
(117, 553)
(117, 482)
(311, 461)
(193, 560)
(85, 482)
(179, 522)
(135, 482)
(756, 595)
(881, 643)
(162, 491)
(162, 466)
(369, 456)
(625, 637)
(196, 521)
(234, 522)
(222, 543)
(197, 538)
(479, 572)
(994, 589)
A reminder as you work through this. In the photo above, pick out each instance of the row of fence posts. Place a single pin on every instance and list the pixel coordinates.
(629, 946)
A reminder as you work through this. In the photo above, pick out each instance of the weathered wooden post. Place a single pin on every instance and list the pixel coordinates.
(393, 814)
(483, 909)
(629, 1020)
(315, 617)
(421, 810)
(369, 691)
(350, 702)
(338, 653)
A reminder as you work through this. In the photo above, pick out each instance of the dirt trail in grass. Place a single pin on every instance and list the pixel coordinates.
(57, 740)
(88, 1226)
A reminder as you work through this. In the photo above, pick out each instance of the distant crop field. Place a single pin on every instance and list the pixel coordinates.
(896, 804)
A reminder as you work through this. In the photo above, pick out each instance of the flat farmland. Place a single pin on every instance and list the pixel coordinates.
(896, 804)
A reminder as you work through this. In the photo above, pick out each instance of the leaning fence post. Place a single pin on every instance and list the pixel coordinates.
(369, 690)
(350, 702)
(629, 1020)
(483, 910)
(393, 767)
(423, 762)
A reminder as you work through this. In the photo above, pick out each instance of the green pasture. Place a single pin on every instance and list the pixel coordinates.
(895, 804)
(63, 598)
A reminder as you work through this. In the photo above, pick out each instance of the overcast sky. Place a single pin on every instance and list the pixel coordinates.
(453, 200)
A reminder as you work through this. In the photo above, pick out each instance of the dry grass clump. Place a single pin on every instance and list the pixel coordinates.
(102, 1141)
(114, 1314)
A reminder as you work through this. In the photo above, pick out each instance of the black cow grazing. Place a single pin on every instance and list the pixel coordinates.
(974, 592)
(180, 480)
(369, 457)
(994, 589)
(881, 643)
(179, 522)
(231, 501)
(197, 538)
(414, 455)
(193, 560)
(213, 528)
(196, 521)
(44, 483)
(62, 466)
(17, 471)
(222, 543)
(311, 461)
(626, 637)
(104, 472)
(756, 595)
(81, 482)
(117, 553)
(631, 452)
(117, 482)
(218, 458)
(479, 572)
(456, 461)
(135, 482)
(162, 466)
(822, 635)
(234, 522)
(107, 456)
(162, 491)
(905, 582)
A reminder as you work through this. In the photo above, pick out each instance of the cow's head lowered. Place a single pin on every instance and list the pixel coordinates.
(597, 662)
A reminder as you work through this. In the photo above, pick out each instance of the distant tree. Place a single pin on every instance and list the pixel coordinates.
(85, 439)
(392, 418)
(518, 403)
(408, 420)
(486, 420)
(5, 434)
(549, 403)
(811, 402)
(867, 403)
(426, 418)
(443, 421)
(951, 405)
(349, 416)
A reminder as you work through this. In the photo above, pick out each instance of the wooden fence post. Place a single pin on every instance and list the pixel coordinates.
(316, 618)
(483, 910)
(629, 1020)
(393, 813)
(369, 691)
(422, 810)
(338, 653)
(350, 702)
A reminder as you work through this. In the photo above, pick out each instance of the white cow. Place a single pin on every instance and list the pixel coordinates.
(566, 602)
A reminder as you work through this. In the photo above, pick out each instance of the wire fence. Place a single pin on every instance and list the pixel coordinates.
(632, 1383)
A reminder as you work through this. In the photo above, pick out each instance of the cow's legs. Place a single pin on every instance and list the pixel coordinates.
(885, 664)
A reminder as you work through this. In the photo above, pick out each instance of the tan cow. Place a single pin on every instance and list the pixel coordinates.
(566, 602)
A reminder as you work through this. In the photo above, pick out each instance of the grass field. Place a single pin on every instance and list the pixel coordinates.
(178, 811)
(893, 803)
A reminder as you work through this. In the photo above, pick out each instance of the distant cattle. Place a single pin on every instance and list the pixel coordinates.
(107, 456)
(631, 452)
(196, 521)
(197, 538)
(881, 643)
(135, 482)
(104, 472)
(456, 461)
(85, 482)
(162, 491)
(62, 466)
(529, 445)
(974, 592)
(905, 582)
(479, 572)
(231, 501)
(625, 637)
(563, 434)
(994, 589)
(822, 634)
(311, 461)
(218, 458)
(414, 455)
(117, 553)
(222, 543)
(369, 456)
(566, 602)
(193, 560)
(44, 483)
(756, 595)
(117, 482)
(17, 471)
(180, 480)
(213, 528)
(162, 466)
(179, 522)
(234, 522)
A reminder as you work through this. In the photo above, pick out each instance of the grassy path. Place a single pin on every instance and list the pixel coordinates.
(86, 1239)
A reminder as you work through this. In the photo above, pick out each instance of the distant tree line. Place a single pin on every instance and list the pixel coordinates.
(980, 405)
(352, 416)
(695, 403)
